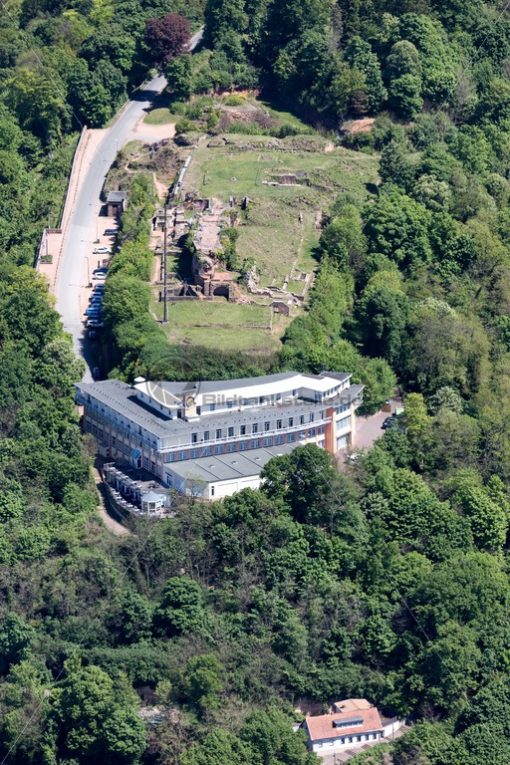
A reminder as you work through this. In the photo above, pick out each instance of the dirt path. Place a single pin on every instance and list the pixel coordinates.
(152, 133)
(161, 188)
(111, 524)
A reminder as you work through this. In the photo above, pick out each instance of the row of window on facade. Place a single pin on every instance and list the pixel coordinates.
(229, 433)
(208, 451)
(222, 432)
(351, 739)
(255, 428)
(256, 443)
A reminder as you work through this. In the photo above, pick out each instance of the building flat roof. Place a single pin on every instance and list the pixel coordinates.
(122, 398)
(227, 467)
(116, 196)
(204, 387)
(153, 496)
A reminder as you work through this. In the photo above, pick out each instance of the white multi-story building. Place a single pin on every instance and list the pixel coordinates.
(213, 438)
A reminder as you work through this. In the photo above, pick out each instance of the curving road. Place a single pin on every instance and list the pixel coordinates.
(81, 228)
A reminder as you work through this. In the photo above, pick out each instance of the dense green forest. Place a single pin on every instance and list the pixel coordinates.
(388, 581)
(62, 66)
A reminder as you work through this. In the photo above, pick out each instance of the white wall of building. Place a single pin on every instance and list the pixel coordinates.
(226, 488)
(344, 742)
(214, 490)
(392, 727)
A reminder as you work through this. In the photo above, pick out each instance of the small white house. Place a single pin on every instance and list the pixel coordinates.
(351, 723)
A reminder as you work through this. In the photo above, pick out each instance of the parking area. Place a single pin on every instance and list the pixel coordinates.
(97, 260)
(369, 429)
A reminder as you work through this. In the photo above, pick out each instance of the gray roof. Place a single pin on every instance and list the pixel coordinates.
(153, 496)
(116, 196)
(228, 466)
(122, 398)
(352, 392)
(211, 386)
(335, 375)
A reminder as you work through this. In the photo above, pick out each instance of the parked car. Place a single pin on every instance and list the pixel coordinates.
(95, 323)
(102, 250)
(92, 334)
(110, 231)
(100, 270)
(101, 276)
(390, 422)
(93, 311)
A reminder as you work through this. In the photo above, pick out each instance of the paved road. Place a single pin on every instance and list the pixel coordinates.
(81, 230)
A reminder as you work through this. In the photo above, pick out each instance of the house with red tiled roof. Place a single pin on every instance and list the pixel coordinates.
(351, 723)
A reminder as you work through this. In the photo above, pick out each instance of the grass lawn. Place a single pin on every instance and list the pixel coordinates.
(297, 287)
(273, 233)
(279, 229)
(284, 117)
(219, 324)
(161, 116)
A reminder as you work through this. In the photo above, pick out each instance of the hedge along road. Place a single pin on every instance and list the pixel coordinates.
(81, 227)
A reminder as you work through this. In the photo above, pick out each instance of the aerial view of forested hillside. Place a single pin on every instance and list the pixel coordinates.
(205, 638)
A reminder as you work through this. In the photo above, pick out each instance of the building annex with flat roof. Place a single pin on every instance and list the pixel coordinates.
(212, 438)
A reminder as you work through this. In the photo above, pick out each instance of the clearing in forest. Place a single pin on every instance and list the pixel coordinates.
(290, 183)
